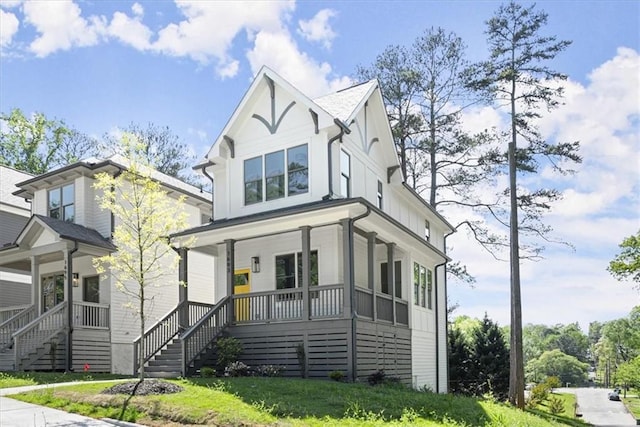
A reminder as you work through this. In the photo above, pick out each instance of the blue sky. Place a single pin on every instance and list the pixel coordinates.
(100, 65)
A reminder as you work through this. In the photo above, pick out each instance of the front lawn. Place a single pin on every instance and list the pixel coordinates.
(20, 379)
(633, 404)
(255, 401)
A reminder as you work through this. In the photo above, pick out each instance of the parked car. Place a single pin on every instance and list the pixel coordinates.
(615, 394)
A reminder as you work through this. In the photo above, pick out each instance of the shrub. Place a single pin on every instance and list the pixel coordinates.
(228, 349)
(556, 405)
(302, 359)
(377, 377)
(237, 369)
(207, 372)
(540, 392)
(336, 375)
(269, 370)
(553, 382)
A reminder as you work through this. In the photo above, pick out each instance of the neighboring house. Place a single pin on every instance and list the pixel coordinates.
(55, 248)
(321, 250)
(14, 214)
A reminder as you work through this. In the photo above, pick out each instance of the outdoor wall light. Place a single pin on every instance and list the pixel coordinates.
(76, 280)
(255, 264)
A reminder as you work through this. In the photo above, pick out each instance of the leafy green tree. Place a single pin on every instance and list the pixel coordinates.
(161, 149)
(628, 374)
(626, 265)
(489, 370)
(555, 363)
(145, 215)
(515, 76)
(30, 144)
(459, 362)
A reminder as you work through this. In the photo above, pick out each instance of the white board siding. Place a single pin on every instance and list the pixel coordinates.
(201, 278)
(423, 364)
(16, 289)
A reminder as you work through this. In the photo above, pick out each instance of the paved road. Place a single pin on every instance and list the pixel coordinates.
(598, 410)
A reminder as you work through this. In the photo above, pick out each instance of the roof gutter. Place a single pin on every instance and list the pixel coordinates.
(344, 129)
(203, 169)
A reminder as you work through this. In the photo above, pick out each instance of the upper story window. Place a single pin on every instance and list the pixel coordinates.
(61, 203)
(275, 178)
(379, 195)
(345, 174)
(427, 230)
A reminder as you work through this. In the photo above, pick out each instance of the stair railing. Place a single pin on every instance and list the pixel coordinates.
(205, 331)
(12, 324)
(39, 331)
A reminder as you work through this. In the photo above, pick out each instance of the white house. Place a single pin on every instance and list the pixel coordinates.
(318, 243)
(69, 305)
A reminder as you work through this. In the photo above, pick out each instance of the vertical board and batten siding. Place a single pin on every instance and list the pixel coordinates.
(381, 346)
(326, 346)
(442, 332)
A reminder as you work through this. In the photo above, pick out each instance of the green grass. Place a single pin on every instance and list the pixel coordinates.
(633, 404)
(295, 402)
(566, 417)
(20, 379)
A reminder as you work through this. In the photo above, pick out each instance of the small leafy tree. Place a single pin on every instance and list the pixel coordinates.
(145, 216)
(626, 265)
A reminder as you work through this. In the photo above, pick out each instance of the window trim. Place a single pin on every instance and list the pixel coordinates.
(297, 275)
(62, 207)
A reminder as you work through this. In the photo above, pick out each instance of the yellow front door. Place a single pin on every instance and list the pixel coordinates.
(242, 285)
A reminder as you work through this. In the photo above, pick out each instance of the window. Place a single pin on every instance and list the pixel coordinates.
(61, 203)
(295, 179)
(427, 230)
(384, 281)
(422, 286)
(52, 291)
(379, 194)
(91, 289)
(289, 270)
(253, 180)
(345, 173)
(274, 168)
(298, 169)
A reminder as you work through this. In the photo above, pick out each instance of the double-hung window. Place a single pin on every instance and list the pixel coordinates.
(61, 203)
(279, 179)
(289, 270)
(422, 286)
(345, 174)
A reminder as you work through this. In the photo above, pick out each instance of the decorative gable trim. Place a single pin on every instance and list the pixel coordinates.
(231, 144)
(272, 126)
(390, 171)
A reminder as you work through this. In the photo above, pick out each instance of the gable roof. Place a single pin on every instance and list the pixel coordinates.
(345, 103)
(67, 231)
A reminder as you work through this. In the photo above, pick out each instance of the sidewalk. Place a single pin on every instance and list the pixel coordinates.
(14, 413)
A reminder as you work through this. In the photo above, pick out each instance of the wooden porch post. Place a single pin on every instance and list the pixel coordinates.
(349, 291)
(36, 287)
(391, 278)
(183, 289)
(306, 270)
(231, 255)
(68, 262)
(371, 259)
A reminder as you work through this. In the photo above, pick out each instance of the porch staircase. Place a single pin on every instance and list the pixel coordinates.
(181, 354)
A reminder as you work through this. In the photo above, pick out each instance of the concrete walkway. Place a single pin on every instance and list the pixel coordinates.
(14, 413)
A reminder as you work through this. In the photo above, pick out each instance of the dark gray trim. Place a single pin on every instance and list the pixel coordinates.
(314, 117)
(305, 231)
(69, 325)
(203, 168)
(391, 277)
(183, 288)
(231, 144)
(343, 129)
(231, 267)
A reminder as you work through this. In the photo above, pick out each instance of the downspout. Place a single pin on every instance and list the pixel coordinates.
(443, 264)
(113, 218)
(344, 129)
(352, 293)
(203, 169)
(69, 338)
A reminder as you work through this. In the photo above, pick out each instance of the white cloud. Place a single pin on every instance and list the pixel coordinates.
(209, 29)
(8, 27)
(279, 51)
(61, 26)
(129, 30)
(318, 29)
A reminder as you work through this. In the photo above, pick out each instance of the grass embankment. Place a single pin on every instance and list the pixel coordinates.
(566, 417)
(633, 404)
(278, 401)
(21, 379)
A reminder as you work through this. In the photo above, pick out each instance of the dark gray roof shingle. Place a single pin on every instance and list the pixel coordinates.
(75, 232)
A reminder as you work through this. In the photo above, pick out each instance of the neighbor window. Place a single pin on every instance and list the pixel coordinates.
(61, 203)
(275, 178)
(52, 291)
(345, 173)
(380, 194)
(289, 270)
(429, 290)
(416, 283)
(91, 289)
(384, 281)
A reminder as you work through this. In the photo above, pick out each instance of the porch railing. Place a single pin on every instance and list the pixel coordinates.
(384, 307)
(204, 332)
(287, 304)
(7, 313)
(164, 330)
(18, 320)
(90, 315)
(39, 331)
